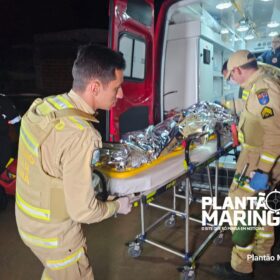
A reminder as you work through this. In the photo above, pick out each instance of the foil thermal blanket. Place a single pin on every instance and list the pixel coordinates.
(139, 147)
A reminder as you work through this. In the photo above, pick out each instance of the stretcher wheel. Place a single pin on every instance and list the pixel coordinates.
(188, 274)
(134, 250)
(171, 222)
(219, 239)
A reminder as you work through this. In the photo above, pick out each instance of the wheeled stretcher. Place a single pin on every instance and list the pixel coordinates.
(174, 171)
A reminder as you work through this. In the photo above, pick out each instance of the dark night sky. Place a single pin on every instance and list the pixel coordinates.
(21, 19)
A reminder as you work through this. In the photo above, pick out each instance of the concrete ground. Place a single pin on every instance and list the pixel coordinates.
(109, 255)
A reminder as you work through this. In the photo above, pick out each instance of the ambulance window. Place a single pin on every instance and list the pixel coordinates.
(125, 47)
(134, 51)
(140, 11)
(139, 60)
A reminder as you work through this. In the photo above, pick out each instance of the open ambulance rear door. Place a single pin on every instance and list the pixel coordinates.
(131, 32)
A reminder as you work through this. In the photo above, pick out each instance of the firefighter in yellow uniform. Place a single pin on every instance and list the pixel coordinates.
(55, 190)
(259, 134)
(236, 105)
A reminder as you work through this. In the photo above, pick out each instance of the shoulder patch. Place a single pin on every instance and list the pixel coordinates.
(263, 97)
(267, 112)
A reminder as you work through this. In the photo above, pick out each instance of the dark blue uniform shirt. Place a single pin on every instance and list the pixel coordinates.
(271, 57)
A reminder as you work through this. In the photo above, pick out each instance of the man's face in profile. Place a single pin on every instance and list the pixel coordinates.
(275, 43)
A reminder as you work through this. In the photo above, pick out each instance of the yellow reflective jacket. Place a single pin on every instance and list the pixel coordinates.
(54, 177)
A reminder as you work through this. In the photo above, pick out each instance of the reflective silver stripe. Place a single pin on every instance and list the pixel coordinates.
(65, 101)
(37, 241)
(265, 235)
(267, 158)
(79, 123)
(30, 143)
(60, 103)
(68, 261)
(39, 213)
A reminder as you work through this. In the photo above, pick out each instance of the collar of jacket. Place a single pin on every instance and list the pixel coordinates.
(80, 103)
(247, 85)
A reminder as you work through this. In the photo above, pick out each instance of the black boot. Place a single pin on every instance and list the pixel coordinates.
(226, 272)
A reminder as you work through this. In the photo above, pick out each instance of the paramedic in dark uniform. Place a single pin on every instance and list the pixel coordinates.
(272, 56)
(259, 135)
(57, 147)
(9, 131)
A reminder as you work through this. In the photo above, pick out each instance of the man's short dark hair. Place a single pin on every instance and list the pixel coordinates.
(252, 64)
(95, 61)
(224, 67)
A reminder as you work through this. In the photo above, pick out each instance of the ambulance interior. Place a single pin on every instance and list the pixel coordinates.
(199, 37)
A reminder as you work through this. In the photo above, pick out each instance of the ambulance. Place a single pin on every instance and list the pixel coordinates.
(175, 49)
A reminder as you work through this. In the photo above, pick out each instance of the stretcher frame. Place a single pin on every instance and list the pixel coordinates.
(146, 199)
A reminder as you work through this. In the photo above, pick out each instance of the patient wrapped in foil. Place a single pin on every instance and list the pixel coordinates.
(140, 147)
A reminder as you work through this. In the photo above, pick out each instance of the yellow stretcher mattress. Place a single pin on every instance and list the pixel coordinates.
(159, 174)
(110, 172)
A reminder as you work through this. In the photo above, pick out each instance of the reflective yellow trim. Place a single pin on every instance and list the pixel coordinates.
(245, 94)
(268, 158)
(29, 141)
(79, 123)
(66, 262)
(52, 101)
(60, 102)
(244, 249)
(264, 234)
(66, 103)
(39, 213)
(38, 241)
